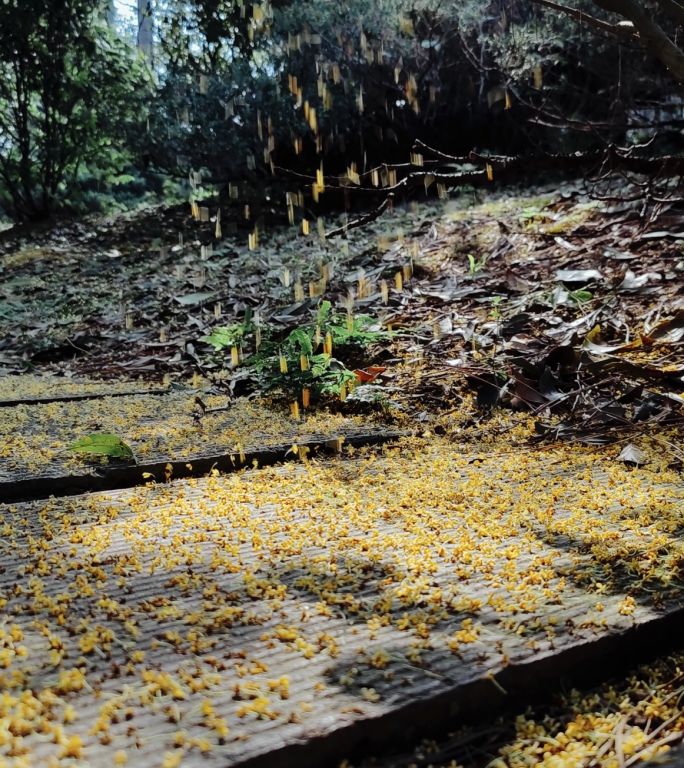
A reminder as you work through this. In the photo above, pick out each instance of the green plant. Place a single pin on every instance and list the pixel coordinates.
(220, 338)
(495, 312)
(281, 366)
(579, 297)
(346, 332)
(476, 266)
(299, 361)
(233, 335)
(324, 374)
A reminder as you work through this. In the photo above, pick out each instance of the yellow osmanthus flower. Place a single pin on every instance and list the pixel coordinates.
(258, 707)
(69, 714)
(369, 694)
(172, 759)
(627, 606)
(380, 659)
(282, 686)
(72, 747)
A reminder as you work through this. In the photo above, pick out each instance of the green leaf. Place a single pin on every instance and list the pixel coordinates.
(124, 178)
(580, 296)
(221, 338)
(324, 312)
(102, 443)
(319, 364)
(301, 336)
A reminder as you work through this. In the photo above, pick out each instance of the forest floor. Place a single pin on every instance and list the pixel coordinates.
(552, 305)
(514, 495)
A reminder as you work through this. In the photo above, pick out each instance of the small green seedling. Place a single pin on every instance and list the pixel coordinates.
(495, 311)
(476, 266)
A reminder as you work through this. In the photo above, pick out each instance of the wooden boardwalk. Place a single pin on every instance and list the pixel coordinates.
(301, 614)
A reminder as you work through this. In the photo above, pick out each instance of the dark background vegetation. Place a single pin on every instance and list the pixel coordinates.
(88, 122)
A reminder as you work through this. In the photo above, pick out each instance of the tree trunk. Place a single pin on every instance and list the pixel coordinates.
(145, 27)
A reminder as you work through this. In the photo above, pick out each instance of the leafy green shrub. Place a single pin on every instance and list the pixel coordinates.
(300, 360)
(292, 366)
(233, 336)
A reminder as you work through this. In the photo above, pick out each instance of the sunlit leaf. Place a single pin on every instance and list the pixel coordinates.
(104, 444)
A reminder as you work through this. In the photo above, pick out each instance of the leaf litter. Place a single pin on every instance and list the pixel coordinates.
(522, 321)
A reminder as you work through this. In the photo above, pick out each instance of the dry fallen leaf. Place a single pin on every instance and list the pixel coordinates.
(630, 454)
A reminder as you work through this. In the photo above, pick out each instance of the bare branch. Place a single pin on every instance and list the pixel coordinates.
(363, 220)
(642, 22)
(501, 167)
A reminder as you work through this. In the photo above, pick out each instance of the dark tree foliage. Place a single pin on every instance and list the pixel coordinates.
(70, 94)
(503, 76)
(578, 74)
(245, 90)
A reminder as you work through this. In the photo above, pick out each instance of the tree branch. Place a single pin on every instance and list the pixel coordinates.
(501, 167)
(651, 33)
(363, 220)
(604, 26)
(642, 22)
